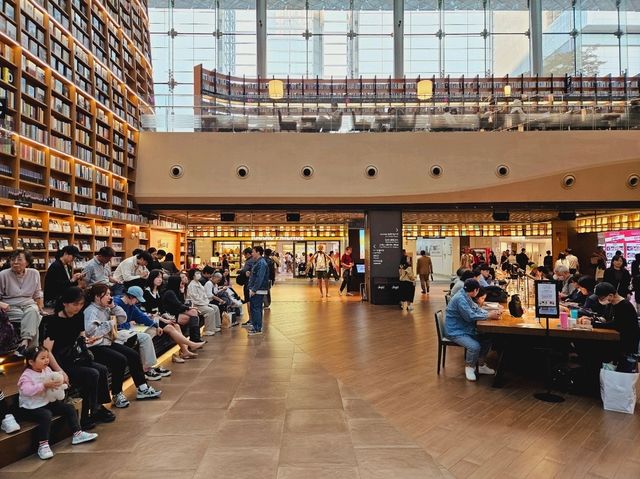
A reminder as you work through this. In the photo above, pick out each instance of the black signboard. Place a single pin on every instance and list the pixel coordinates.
(385, 243)
(24, 204)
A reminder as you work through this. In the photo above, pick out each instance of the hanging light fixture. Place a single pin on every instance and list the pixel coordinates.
(276, 89)
(424, 89)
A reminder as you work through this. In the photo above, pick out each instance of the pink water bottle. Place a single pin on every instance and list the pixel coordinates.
(564, 320)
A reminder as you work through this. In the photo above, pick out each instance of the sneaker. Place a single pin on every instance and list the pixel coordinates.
(22, 349)
(339, 293)
(246, 324)
(217, 330)
(410, 307)
(9, 424)
(470, 372)
(162, 371)
(209, 333)
(44, 451)
(253, 332)
(102, 414)
(266, 307)
(152, 375)
(484, 369)
(83, 436)
(148, 393)
(120, 400)
(235, 323)
(424, 292)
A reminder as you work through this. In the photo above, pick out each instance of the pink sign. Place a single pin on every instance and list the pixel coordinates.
(626, 241)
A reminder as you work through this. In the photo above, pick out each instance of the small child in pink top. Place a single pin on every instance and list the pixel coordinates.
(36, 406)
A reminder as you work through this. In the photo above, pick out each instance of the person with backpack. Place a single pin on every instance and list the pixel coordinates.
(320, 263)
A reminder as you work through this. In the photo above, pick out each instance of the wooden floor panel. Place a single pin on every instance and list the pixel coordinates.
(388, 357)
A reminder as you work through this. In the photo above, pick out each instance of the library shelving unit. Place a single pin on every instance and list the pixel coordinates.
(76, 76)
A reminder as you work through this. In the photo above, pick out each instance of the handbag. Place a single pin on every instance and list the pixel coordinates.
(78, 354)
(241, 279)
(618, 390)
(515, 306)
(127, 338)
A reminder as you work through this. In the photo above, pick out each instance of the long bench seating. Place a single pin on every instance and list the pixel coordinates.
(23, 443)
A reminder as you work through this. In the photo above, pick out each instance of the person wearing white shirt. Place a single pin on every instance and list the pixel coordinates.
(133, 271)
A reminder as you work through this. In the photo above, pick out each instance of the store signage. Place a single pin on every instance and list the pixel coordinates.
(278, 238)
(628, 242)
(385, 242)
(24, 204)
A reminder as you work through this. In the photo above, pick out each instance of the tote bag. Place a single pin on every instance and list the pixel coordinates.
(618, 390)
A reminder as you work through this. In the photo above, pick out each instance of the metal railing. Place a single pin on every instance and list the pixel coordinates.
(514, 116)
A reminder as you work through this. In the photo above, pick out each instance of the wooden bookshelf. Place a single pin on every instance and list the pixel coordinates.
(76, 74)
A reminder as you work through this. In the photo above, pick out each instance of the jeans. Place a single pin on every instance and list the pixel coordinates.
(94, 387)
(116, 357)
(476, 347)
(256, 303)
(346, 277)
(43, 415)
(29, 318)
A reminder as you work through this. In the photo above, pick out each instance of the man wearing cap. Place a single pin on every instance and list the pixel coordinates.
(60, 275)
(460, 327)
(145, 328)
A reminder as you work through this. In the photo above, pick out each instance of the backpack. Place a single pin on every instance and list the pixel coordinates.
(515, 306)
(241, 279)
(8, 339)
(272, 269)
(324, 265)
(496, 294)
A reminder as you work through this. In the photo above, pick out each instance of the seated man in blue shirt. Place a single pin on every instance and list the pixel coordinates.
(128, 302)
(460, 327)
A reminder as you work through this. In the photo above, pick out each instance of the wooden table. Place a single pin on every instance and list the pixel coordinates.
(528, 326)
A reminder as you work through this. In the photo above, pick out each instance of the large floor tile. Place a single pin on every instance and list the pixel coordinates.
(245, 433)
(159, 454)
(318, 472)
(233, 463)
(317, 449)
(311, 399)
(264, 389)
(187, 423)
(315, 421)
(256, 409)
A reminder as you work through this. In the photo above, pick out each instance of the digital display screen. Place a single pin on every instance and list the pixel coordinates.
(360, 269)
(547, 299)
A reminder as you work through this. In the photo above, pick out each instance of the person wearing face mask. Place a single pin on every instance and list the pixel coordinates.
(199, 300)
(619, 315)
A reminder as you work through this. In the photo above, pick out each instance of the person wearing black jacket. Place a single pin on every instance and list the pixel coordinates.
(172, 303)
(619, 315)
(618, 276)
(61, 332)
(158, 257)
(60, 275)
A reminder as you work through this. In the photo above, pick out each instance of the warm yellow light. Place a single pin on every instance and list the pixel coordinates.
(424, 89)
(276, 89)
(507, 90)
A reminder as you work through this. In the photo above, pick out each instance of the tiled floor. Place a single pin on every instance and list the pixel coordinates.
(256, 408)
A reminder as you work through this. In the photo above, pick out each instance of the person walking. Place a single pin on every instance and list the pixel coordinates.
(424, 268)
(258, 288)
(320, 263)
(346, 263)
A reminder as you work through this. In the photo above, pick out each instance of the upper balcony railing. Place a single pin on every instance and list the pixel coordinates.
(230, 104)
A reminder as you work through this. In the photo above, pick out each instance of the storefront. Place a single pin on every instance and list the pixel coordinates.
(293, 244)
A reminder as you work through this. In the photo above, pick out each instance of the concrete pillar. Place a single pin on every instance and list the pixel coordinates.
(261, 38)
(535, 36)
(398, 38)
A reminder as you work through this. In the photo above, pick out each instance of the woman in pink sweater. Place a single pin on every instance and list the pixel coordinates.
(35, 405)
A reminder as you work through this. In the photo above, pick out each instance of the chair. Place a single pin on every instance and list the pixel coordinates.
(443, 341)
(447, 298)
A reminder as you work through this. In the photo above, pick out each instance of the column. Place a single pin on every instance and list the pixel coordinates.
(535, 36)
(261, 38)
(398, 38)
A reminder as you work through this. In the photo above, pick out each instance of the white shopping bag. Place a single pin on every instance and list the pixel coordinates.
(618, 390)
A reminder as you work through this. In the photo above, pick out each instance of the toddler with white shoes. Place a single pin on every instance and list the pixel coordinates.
(39, 389)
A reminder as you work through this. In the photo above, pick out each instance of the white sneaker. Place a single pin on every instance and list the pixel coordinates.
(120, 400)
(484, 369)
(217, 330)
(9, 424)
(410, 307)
(148, 393)
(83, 437)
(45, 452)
(209, 333)
(470, 373)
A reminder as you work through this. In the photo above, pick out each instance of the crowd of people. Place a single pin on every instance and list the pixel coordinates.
(87, 324)
(603, 300)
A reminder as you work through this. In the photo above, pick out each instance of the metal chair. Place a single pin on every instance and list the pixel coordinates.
(447, 298)
(443, 341)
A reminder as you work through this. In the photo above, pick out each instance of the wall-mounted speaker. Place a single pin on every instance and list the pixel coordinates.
(500, 216)
(567, 215)
(292, 217)
(227, 216)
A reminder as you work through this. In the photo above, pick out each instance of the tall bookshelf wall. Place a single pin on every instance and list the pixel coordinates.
(75, 75)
